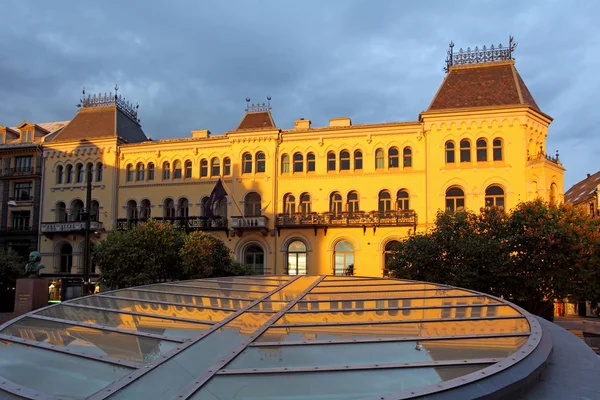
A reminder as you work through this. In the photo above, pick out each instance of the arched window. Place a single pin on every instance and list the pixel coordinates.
(150, 171)
(66, 258)
(335, 203)
(285, 163)
(215, 167)
(188, 169)
(310, 162)
(247, 162)
(260, 162)
(79, 173)
(99, 171)
(183, 207)
(388, 253)
(296, 258)
(289, 204)
(407, 160)
(393, 161)
(331, 161)
(227, 166)
(402, 200)
(553, 192)
(344, 258)
(252, 206)
(95, 210)
(379, 164)
(129, 173)
(344, 160)
(494, 196)
(455, 199)
(449, 152)
(204, 203)
(140, 172)
(221, 208)
(59, 174)
(177, 172)
(166, 170)
(465, 151)
(132, 210)
(61, 212)
(254, 256)
(498, 156)
(89, 171)
(481, 150)
(69, 173)
(305, 204)
(203, 168)
(145, 209)
(385, 201)
(353, 203)
(169, 208)
(298, 162)
(76, 210)
(358, 158)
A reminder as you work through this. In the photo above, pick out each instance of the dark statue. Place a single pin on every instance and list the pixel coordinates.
(33, 267)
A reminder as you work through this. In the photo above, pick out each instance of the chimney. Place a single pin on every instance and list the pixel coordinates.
(301, 124)
(589, 175)
(202, 133)
(343, 121)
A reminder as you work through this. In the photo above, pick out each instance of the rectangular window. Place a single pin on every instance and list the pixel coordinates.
(447, 311)
(492, 311)
(310, 163)
(461, 312)
(23, 164)
(476, 311)
(482, 154)
(227, 169)
(23, 190)
(20, 221)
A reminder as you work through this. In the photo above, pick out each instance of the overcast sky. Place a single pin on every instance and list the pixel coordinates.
(191, 64)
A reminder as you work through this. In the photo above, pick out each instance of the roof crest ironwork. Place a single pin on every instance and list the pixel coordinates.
(477, 55)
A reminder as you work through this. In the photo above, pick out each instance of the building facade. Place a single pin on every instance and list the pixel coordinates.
(584, 194)
(316, 200)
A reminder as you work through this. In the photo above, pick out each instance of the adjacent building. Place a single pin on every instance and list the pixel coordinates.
(584, 194)
(311, 199)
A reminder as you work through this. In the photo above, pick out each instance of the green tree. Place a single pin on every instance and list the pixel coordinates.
(204, 256)
(12, 267)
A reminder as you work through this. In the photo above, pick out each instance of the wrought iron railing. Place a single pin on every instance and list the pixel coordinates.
(544, 156)
(249, 222)
(21, 171)
(187, 223)
(70, 226)
(477, 55)
(348, 219)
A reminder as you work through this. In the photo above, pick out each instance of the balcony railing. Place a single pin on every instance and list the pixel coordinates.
(21, 198)
(187, 223)
(22, 171)
(249, 222)
(543, 156)
(69, 227)
(347, 219)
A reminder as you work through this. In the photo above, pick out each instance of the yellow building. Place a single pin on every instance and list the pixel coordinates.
(317, 200)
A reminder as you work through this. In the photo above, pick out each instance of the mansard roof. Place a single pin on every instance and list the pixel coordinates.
(583, 190)
(254, 120)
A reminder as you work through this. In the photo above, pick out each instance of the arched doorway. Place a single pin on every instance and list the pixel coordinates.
(343, 258)
(388, 254)
(66, 258)
(296, 258)
(254, 257)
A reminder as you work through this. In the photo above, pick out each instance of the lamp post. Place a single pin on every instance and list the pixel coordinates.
(86, 240)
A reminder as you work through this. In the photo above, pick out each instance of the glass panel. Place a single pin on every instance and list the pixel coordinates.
(328, 385)
(344, 246)
(229, 285)
(376, 331)
(269, 305)
(205, 292)
(88, 340)
(176, 373)
(374, 288)
(138, 323)
(169, 310)
(428, 302)
(270, 280)
(375, 353)
(390, 315)
(383, 295)
(55, 373)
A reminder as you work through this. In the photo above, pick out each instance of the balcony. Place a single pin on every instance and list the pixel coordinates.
(21, 171)
(359, 219)
(542, 156)
(187, 223)
(69, 227)
(241, 224)
(21, 198)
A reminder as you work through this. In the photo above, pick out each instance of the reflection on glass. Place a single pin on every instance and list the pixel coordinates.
(130, 322)
(205, 292)
(56, 373)
(228, 285)
(410, 329)
(88, 340)
(259, 280)
(167, 310)
(388, 294)
(327, 385)
(375, 289)
(269, 305)
(198, 300)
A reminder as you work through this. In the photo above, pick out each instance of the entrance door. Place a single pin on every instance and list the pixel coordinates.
(255, 258)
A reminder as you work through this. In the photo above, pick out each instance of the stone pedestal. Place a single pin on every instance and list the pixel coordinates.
(31, 294)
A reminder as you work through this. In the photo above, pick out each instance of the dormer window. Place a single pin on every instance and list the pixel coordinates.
(27, 136)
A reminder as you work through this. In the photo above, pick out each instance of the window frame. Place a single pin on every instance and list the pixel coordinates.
(358, 160)
(393, 158)
(481, 150)
(450, 152)
(465, 151)
(261, 163)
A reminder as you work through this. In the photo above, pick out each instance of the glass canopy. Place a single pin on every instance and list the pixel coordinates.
(264, 337)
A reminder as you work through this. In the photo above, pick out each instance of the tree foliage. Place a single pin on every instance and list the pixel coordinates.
(12, 267)
(538, 252)
(157, 251)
